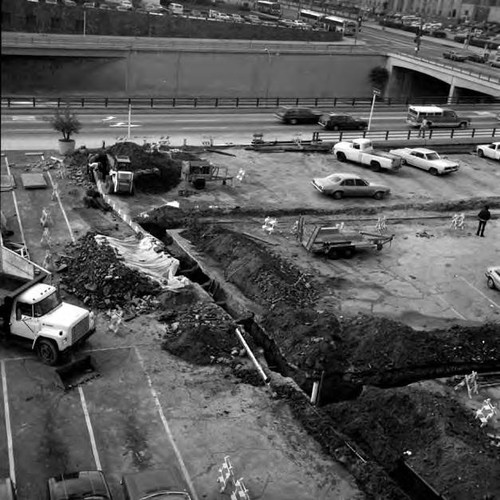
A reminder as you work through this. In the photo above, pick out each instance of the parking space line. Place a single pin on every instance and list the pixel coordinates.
(62, 209)
(492, 302)
(167, 427)
(8, 430)
(89, 428)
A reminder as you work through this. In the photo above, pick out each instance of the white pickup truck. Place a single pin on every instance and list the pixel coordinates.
(33, 313)
(361, 151)
(489, 150)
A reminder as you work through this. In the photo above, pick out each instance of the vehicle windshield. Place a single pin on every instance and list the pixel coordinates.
(334, 178)
(48, 304)
(167, 495)
(432, 156)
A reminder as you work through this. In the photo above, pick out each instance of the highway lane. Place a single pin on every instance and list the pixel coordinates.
(235, 127)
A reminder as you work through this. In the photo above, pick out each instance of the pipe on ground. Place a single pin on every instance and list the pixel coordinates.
(252, 356)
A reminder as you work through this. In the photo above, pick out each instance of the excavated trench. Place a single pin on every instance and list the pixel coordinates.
(346, 382)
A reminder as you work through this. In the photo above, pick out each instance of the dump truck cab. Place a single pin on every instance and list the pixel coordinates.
(33, 313)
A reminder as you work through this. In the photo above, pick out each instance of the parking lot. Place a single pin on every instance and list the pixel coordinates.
(110, 424)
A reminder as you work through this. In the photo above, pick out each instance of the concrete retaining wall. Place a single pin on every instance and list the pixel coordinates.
(186, 74)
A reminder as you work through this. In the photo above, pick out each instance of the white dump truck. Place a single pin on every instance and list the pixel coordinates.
(361, 151)
(32, 312)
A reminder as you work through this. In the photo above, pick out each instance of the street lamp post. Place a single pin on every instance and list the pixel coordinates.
(376, 92)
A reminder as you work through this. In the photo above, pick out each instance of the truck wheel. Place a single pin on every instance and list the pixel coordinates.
(463, 125)
(375, 166)
(333, 254)
(349, 252)
(378, 195)
(293, 121)
(491, 283)
(335, 127)
(403, 162)
(338, 195)
(341, 156)
(433, 171)
(199, 183)
(47, 352)
(480, 153)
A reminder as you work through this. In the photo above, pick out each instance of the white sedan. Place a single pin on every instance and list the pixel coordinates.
(426, 159)
(489, 151)
(493, 277)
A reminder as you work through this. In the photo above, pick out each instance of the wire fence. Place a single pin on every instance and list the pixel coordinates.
(386, 135)
(98, 102)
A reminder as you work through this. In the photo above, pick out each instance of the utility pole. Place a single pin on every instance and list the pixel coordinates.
(376, 92)
(129, 119)
(84, 21)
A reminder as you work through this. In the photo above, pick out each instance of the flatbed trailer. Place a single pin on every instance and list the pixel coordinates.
(335, 242)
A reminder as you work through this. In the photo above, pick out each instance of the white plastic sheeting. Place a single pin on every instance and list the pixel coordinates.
(141, 255)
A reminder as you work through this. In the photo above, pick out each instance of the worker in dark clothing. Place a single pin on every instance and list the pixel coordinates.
(483, 216)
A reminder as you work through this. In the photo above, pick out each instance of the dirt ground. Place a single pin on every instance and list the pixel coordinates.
(390, 333)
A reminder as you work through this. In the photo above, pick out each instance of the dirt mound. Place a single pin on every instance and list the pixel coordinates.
(438, 438)
(261, 274)
(384, 352)
(98, 277)
(155, 172)
(201, 333)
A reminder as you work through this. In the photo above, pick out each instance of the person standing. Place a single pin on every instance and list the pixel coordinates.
(484, 216)
(424, 125)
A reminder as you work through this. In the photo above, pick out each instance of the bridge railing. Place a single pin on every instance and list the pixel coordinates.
(407, 134)
(98, 102)
(454, 68)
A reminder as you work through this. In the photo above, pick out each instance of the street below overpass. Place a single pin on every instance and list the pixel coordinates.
(194, 127)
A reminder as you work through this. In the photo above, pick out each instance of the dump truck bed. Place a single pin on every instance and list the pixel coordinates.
(9, 284)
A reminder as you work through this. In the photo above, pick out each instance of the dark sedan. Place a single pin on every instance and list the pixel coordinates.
(337, 121)
(293, 116)
(84, 484)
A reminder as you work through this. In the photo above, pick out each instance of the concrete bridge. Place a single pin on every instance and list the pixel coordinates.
(456, 77)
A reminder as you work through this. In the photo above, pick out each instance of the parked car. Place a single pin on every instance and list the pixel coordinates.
(493, 277)
(339, 121)
(454, 55)
(475, 57)
(489, 150)
(7, 490)
(84, 484)
(426, 159)
(341, 185)
(151, 484)
(297, 115)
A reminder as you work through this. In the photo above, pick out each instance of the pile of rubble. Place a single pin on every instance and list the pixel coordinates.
(98, 277)
(201, 333)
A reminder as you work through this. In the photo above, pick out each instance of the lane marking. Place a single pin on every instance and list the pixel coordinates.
(62, 209)
(480, 293)
(90, 430)
(21, 118)
(16, 206)
(448, 304)
(167, 427)
(8, 430)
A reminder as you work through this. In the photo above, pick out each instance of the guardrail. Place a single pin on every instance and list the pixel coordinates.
(403, 135)
(24, 102)
(456, 69)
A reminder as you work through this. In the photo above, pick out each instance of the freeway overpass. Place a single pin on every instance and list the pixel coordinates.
(455, 77)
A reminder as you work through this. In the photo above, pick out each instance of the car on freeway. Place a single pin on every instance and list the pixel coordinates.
(165, 484)
(489, 150)
(296, 115)
(454, 55)
(7, 490)
(341, 121)
(426, 159)
(237, 18)
(79, 485)
(341, 185)
(493, 277)
(286, 22)
(225, 17)
(252, 18)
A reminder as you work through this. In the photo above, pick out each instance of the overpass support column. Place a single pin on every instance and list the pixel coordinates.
(451, 93)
